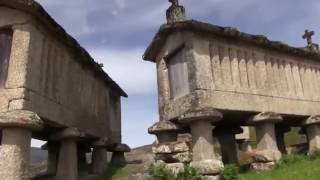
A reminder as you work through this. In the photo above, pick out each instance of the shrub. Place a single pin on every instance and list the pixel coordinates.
(230, 172)
(158, 171)
(188, 173)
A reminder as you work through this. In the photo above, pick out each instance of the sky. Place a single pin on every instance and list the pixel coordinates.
(116, 33)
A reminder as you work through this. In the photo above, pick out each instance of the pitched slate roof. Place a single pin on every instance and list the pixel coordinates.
(228, 32)
(37, 11)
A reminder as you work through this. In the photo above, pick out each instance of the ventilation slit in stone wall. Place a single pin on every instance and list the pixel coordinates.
(276, 78)
(226, 67)
(244, 82)
(216, 66)
(250, 70)
(234, 68)
(301, 74)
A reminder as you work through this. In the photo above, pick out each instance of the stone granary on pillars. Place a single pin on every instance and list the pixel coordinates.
(212, 80)
(52, 90)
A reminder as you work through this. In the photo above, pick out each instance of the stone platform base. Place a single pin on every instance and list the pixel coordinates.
(262, 166)
(211, 177)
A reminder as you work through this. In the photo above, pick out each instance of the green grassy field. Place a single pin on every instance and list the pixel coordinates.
(112, 172)
(292, 167)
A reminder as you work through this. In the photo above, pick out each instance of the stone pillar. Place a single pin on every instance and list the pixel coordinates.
(168, 149)
(17, 127)
(204, 158)
(52, 148)
(82, 150)
(244, 145)
(228, 143)
(312, 126)
(280, 131)
(68, 160)
(118, 151)
(165, 131)
(267, 150)
(99, 156)
(243, 139)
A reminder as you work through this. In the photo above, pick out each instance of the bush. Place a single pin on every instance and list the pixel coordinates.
(188, 173)
(230, 172)
(158, 171)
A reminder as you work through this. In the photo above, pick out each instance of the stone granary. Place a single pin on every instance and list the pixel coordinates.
(212, 80)
(52, 90)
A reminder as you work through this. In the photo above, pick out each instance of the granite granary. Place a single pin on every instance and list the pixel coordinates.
(212, 80)
(52, 90)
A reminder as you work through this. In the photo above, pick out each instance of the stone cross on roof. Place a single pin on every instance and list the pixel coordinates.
(308, 35)
(175, 13)
(311, 46)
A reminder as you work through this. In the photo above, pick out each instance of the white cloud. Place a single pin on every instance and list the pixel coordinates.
(128, 69)
(79, 16)
(37, 143)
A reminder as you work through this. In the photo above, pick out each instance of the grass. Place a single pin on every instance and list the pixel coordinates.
(291, 167)
(112, 172)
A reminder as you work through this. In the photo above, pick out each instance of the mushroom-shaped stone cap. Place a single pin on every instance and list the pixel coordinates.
(207, 114)
(103, 142)
(264, 117)
(312, 120)
(119, 148)
(162, 126)
(21, 118)
(68, 133)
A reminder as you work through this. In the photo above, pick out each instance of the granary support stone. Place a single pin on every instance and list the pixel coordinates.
(99, 156)
(267, 150)
(53, 152)
(200, 122)
(165, 131)
(118, 151)
(227, 140)
(243, 140)
(17, 127)
(82, 150)
(280, 131)
(68, 159)
(169, 149)
(312, 126)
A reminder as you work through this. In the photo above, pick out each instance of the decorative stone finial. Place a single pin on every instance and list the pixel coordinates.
(311, 46)
(175, 13)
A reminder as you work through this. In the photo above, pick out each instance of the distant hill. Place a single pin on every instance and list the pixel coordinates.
(38, 156)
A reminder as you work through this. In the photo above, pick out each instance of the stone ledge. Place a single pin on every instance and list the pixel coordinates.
(183, 157)
(118, 148)
(68, 133)
(217, 177)
(172, 147)
(208, 167)
(103, 142)
(163, 126)
(265, 156)
(265, 117)
(258, 166)
(21, 118)
(312, 120)
(175, 167)
(209, 114)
